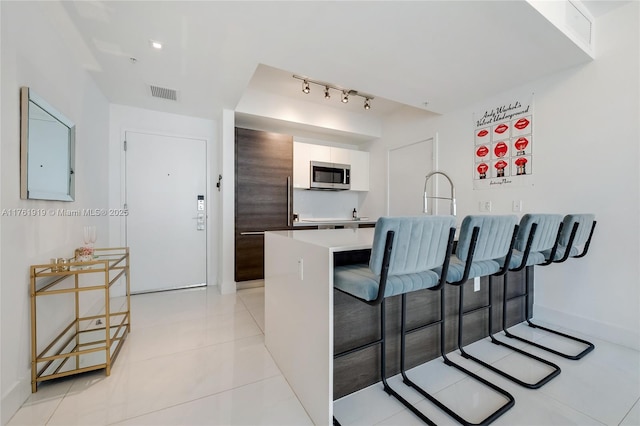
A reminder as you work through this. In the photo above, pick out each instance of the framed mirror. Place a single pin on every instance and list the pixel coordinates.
(47, 150)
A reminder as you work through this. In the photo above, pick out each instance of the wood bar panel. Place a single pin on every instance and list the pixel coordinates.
(358, 323)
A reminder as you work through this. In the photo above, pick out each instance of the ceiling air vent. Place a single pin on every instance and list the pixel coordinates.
(164, 93)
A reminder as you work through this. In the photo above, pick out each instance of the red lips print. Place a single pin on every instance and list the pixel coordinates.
(482, 151)
(521, 161)
(482, 168)
(502, 128)
(501, 164)
(501, 149)
(482, 133)
(521, 124)
(521, 143)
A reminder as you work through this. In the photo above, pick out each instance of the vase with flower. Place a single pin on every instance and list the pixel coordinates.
(86, 252)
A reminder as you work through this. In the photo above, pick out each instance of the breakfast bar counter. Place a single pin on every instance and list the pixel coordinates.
(306, 319)
(299, 309)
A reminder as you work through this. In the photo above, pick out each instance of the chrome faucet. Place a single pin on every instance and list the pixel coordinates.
(453, 192)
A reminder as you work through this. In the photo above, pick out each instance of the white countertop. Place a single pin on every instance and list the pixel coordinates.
(333, 221)
(333, 239)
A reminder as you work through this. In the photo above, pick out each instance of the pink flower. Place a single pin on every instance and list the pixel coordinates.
(86, 251)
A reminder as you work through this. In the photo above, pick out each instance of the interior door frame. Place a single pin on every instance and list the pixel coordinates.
(210, 219)
(434, 162)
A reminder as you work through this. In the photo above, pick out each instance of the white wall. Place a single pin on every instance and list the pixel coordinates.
(126, 118)
(586, 153)
(34, 55)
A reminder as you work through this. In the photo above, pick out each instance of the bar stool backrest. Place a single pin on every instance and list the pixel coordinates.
(419, 244)
(584, 221)
(494, 237)
(546, 233)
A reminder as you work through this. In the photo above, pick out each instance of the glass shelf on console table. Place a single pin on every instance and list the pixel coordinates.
(81, 313)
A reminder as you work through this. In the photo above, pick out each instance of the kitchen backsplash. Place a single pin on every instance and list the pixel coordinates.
(324, 204)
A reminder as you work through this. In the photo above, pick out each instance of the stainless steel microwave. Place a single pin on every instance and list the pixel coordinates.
(330, 176)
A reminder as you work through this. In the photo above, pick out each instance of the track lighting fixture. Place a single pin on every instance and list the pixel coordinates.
(306, 88)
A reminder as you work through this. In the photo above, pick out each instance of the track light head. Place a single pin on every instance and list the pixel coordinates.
(305, 86)
(345, 97)
(327, 95)
(367, 103)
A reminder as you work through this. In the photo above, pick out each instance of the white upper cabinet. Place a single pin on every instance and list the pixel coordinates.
(359, 161)
(340, 155)
(304, 153)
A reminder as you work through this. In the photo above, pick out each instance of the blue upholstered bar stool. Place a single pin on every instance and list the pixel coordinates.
(573, 240)
(404, 253)
(483, 240)
(536, 233)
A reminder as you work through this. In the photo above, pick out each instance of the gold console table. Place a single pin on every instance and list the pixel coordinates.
(85, 343)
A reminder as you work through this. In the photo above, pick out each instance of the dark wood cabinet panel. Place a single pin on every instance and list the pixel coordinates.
(263, 195)
(357, 323)
(249, 258)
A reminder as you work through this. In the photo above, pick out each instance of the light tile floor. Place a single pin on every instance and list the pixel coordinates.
(196, 357)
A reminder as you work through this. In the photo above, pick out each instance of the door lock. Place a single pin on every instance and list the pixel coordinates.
(200, 218)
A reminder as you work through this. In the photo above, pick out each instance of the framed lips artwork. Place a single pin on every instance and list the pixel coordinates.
(522, 145)
(501, 169)
(503, 144)
(521, 165)
(483, 136)
(482, 152)
(521, 126)
(501, 130)
(500, 149)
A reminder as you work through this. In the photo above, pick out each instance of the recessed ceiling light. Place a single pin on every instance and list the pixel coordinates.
(156, 44)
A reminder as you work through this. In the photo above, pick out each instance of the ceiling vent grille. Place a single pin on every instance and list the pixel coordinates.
(164, 93)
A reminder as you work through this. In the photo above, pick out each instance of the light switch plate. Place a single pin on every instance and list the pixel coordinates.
(485, 206)
(476, 284)
(301, 269)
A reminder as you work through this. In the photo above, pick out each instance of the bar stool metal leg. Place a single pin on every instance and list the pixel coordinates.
(588, 345)
(510, 400)
(555, 369)
(575, 221)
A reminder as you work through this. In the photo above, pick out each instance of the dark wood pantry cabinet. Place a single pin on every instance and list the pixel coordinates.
(263, 196)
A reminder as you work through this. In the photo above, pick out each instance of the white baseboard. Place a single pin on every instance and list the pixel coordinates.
(227, 287)
(13, 399)
(600, 330)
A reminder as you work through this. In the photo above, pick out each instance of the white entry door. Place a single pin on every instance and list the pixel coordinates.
(165, 228)
(408, 167)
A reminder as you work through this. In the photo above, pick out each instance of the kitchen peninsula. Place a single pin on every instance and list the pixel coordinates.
(299, 309)
(305, 318)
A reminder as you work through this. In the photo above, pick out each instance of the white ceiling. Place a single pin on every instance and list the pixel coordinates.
(446, 53)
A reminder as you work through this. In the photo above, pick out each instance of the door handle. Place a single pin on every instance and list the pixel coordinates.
(288, 200)
(252, 233)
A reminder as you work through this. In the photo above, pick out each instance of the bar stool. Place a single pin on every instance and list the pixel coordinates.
(573, 240)
(482, 240)
(404, 253)
(536, 233)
